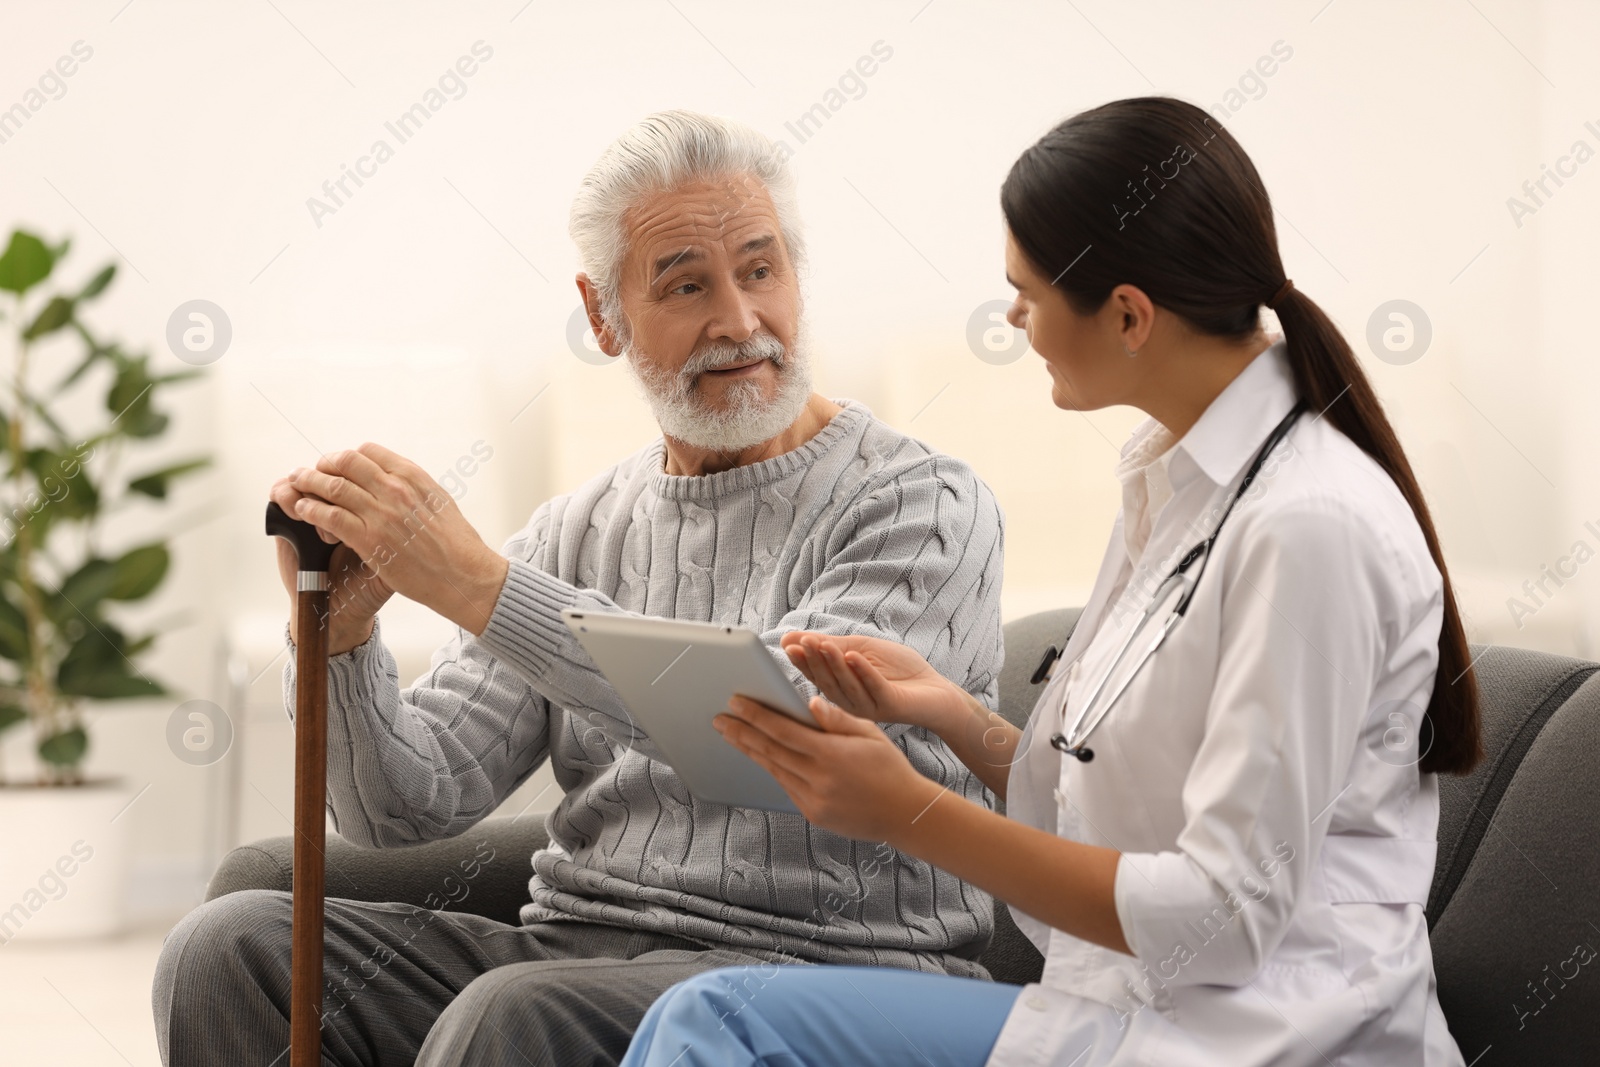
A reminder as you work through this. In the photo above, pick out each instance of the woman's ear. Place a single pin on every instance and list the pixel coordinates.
(1136, 314)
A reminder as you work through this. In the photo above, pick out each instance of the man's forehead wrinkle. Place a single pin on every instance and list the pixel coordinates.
(671, 223)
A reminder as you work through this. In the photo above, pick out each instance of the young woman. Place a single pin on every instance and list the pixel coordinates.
(1221, 815)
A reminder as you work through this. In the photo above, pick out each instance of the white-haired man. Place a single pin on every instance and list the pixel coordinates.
(763, 505)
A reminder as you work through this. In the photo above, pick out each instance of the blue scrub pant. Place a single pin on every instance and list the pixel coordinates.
(822, 1016)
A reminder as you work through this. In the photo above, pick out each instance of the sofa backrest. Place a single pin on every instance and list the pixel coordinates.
(1011, 957)
(1514, 912)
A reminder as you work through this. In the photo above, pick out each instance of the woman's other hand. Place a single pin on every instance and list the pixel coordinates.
(877, 679)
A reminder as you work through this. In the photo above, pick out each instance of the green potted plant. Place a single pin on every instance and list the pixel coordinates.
(63, 475)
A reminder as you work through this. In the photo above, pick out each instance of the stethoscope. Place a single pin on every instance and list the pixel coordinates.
(1173, 595)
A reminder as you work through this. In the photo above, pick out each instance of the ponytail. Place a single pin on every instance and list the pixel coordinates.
(1152, 192)
(1329, 378)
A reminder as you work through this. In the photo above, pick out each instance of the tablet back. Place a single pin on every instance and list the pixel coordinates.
(674, 677)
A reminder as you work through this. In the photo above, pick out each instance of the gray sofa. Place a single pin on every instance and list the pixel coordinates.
(1514, 911)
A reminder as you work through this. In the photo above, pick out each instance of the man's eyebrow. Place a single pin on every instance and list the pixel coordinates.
(756, 244)
(667, 262)
(691, 255)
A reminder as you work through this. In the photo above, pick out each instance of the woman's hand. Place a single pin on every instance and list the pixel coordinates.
(888, 682)
(877, 679)
(847, 777)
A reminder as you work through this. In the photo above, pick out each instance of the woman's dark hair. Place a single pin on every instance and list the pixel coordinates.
(1153, 192)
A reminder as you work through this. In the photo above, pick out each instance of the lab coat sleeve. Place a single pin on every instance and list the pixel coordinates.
(1309, 604)
(429, 761)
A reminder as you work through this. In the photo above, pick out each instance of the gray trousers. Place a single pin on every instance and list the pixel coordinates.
(407, 985)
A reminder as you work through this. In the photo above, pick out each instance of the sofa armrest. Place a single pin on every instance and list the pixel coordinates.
(484, 871)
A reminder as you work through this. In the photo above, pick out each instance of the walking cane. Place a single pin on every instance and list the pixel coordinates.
(310, 783)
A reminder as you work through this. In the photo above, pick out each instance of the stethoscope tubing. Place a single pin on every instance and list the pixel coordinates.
(1072, 740)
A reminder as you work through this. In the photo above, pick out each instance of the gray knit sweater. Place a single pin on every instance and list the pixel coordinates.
(859, 530)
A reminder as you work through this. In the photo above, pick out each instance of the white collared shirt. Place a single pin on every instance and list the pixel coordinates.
(1146, 486)
(1259, 773)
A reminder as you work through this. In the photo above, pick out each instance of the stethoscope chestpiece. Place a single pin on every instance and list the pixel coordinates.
(1082, 753)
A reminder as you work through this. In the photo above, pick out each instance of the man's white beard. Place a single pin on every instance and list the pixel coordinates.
(746, 417)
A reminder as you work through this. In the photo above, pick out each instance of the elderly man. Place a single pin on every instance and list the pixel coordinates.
(763, 505)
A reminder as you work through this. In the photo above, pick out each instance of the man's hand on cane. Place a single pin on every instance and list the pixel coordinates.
(401, 532)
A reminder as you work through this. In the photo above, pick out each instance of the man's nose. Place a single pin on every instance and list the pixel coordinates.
(733, 315)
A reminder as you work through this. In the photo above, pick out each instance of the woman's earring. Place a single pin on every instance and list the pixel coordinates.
(1130, 353)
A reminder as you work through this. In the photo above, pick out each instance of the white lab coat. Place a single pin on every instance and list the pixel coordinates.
(1259, 774)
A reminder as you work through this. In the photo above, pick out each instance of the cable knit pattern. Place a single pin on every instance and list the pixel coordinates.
(859, 530)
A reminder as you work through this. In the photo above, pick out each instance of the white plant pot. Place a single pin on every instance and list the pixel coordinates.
(63, 860)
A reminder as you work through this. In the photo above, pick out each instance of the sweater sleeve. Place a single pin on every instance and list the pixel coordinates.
(915, 557)
(429, 761)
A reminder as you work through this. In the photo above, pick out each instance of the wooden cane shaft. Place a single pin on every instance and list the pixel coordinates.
(310, 799)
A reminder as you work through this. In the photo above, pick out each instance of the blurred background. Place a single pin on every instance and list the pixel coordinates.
(1432, 165)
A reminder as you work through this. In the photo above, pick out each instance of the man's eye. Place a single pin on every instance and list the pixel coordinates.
(684, 287)
(762, 272)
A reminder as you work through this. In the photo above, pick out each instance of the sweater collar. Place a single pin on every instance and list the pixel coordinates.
(848, 422)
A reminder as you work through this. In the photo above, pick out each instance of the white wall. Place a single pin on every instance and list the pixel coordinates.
(432, 307)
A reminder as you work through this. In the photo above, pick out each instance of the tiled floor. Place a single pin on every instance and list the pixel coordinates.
(79, 1004)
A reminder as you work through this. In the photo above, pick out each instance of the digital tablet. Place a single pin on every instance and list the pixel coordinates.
(675, 677)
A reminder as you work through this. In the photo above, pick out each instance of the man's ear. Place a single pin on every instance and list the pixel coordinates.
(604, 335)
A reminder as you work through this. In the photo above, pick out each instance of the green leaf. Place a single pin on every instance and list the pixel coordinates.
(79, 371)
(45, 416)
(13, 631)
(86, 587)
(130, 400)
(33, 512)
(26, 263)
(97, 665)
(147, 423)
(113, 684)
(154, 484)
(98, 283)
(96, 353)
(130, 386)
(56, 314)
(139, 571)
(66, 748)
(64, 486)
(10, 715)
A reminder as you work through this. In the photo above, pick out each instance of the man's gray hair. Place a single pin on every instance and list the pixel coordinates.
(665, 151)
